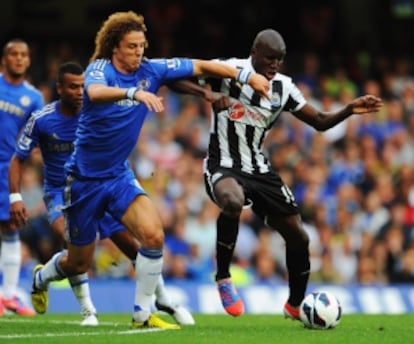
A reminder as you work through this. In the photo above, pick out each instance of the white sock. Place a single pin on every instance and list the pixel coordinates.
(50, 272)
(80, 287)
(161, 293)
(148, 268)
(11, 259)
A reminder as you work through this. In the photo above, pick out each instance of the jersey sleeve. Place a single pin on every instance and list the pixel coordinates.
(171, 69)
(96, 73)
(28, 140)
(296, 100)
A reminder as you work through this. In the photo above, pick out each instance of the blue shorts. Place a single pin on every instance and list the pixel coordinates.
(4, 192)
(53, 199)
(88, 201)
(108, 226)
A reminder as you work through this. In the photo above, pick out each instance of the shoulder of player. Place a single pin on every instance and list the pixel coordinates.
(45, 112)
(235, 62)
(285, 79)
(31, 88)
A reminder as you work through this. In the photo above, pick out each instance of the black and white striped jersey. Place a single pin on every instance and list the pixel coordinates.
(237, 134)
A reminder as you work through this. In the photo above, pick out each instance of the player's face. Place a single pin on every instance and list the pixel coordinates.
(267, 60)
(71, 91)
(127, 56)
(16, 60)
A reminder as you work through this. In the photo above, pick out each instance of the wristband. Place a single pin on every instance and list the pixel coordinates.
(243, 76)
(15, 197)
(130, 93)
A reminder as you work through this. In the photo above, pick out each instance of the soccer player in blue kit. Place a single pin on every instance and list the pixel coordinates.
(120, 88)
(18, 99)
(53, 130)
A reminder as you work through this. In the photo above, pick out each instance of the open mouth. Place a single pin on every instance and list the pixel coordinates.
(270, 74)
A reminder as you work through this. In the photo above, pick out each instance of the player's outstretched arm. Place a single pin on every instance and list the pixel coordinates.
(221, 70)
(100, 94)
(321, 120)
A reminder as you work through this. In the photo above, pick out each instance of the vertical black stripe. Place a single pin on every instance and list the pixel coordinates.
(235, 89)
(249, 141)
(233, 141)
(213, 147)
(290, 104)
(260, 145)
(255, 101)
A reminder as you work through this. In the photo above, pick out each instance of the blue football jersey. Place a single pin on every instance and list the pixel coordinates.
(108, 132)
(17, 102)
(54, 133)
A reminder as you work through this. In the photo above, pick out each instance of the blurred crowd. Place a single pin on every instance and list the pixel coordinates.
(354, 183)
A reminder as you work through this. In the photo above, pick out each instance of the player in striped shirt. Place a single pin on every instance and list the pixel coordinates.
(18, 99)
(237, 173)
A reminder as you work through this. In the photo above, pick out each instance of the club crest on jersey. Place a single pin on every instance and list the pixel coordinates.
(25, 100)
(144, 84)
(237, 111)
(275, 100)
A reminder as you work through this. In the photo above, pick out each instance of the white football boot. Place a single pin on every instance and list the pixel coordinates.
(180, 314)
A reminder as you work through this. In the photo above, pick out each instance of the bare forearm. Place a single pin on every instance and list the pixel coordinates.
(327, 120)
(101, 93)
(188, 87)
(15, 174)
(214, 69)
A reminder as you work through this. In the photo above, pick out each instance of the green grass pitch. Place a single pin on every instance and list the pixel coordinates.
(251, 329)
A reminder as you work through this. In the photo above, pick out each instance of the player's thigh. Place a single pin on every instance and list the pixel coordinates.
(58, 227)
(127, 243)
(142, 220)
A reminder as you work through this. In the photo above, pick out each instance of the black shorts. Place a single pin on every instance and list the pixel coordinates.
(267, 192)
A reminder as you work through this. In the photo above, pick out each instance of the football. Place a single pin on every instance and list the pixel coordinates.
(320, 310)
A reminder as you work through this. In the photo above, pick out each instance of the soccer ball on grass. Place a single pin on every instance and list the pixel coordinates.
(320, 310)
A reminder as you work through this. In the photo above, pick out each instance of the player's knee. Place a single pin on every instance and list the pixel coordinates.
(300, 241)
(153, 238)
(231, 206)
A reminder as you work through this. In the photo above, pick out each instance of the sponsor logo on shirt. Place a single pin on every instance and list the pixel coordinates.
(238, 110)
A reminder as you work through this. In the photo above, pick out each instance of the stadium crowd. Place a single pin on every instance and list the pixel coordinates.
(354, 183)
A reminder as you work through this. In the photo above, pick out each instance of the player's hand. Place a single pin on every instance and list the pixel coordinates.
(18, 215)
(221, 103)
(152, 101)
(260, 84)
(366, 104)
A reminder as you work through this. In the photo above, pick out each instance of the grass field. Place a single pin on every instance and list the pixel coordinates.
(252, 329)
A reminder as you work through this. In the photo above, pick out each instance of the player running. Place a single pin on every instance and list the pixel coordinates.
(120, 88)
(238, 174)
(53, 130)
(18, 99)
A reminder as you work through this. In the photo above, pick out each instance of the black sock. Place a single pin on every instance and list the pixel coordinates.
(227, 230)
(298, 266)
